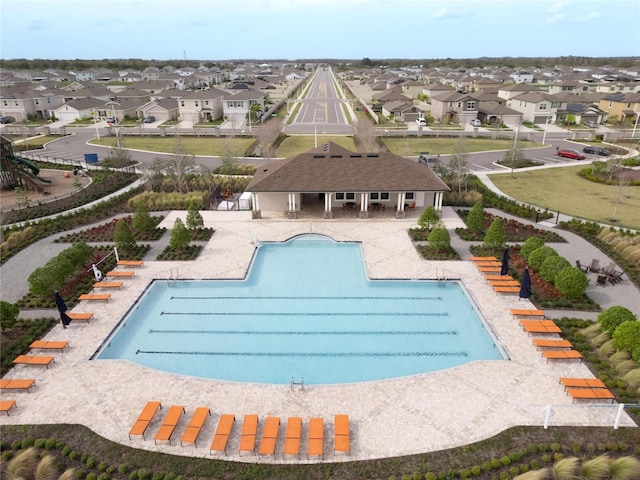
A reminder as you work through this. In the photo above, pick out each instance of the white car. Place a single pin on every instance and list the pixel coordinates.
(475, 122)
(421, 122)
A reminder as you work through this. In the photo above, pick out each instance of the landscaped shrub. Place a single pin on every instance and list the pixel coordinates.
(439, 238)
(494, 237)
(626, 337)
(142, 220)
(8, 315)
(539, 255)
(612, 317)
(571, 282)
(428, 218)
(180, 236)
(44, 280)
(551, 266)
(194, 218)
(531, 244)
(122, 236)
(475, 219)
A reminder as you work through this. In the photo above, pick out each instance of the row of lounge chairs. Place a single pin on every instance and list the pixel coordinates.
(560, 348)
(491, 267)
(27, 383)
(249, 433)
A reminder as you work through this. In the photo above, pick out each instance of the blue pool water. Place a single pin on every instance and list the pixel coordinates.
(306, 309)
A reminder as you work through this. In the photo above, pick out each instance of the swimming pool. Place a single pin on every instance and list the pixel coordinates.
(306, 309)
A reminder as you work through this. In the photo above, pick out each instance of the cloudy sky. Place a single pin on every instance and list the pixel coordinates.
(298, 29)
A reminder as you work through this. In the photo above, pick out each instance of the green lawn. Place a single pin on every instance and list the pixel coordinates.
(411, 146)
(561, 189)
(299, 144)
(217, 147)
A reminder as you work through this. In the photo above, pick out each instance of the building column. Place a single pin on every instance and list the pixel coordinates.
(400, 213)
(364, 205)
(292, 206)
(328, 213)
(255, 206)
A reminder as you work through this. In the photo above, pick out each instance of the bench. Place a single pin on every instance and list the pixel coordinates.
(506, 289)
(529, 313)
(7, 405)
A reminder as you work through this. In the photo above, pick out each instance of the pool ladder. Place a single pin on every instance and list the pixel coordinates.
(441, 277)
(299, 384)
(173, 277)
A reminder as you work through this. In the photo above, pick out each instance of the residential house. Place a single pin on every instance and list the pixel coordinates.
(454, 107)
(401, 110)
(237, 106)
(81, 108)
(201, 105)
(163, 109)
(331, 176)
(535, 107)
(622, 107)
(21, 103)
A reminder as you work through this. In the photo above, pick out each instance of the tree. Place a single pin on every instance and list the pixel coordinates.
(194, 218)
(627, 337)
(175, 167)
(551, 266)
(367, 140)
(475, 219)
(458, 165)
(8, 315)
(142, 221)
(180, 236)
(494, 238)
(514, 156)
(539, 255)
(439, 237)
(612, 317)
(571, 282)
(530, 244)
(428, 218)
(122, 236)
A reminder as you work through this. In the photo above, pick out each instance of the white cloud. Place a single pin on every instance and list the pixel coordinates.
(446, 13)
(557, 7)
(555, 18)
(588, 16)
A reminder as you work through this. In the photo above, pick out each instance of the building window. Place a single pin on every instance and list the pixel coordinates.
(196, 103)
(543, 106)
(384, 196)
(37, 101)
(374, 195)
(339, 196)
(350, 196)
(182, 103)
(409, 195)
(471, 105)
(379, 196)
(206, 102)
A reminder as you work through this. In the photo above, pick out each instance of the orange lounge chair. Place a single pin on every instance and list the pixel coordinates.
(7, 405)
(500, 289)
(95, 296)
(33, 360)
(269, 437)
(248, 435)
(108, 285)
(489, 263)
(80, 316)
(484, 259)
(541, 328)
(120, 274)
(190, 435)
(292, 437)
(221, 437)
(130, 263)
(342, 442)
(169, 425)
(540, 343)
(504, 283)
(568, 382)
(47, 345)
(489, 269)
(17, 384)
(315, 446)
(492, 277)
(144, 419)
(561, 355)
(528, 313)
(591, 394)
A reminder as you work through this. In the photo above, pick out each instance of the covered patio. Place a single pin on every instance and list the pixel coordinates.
(335, 179)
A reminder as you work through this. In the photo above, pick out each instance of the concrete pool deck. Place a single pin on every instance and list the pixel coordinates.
(402, 416)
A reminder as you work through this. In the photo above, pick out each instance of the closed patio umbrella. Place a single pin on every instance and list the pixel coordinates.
(525, 284)
(505, 262)
(62, 308)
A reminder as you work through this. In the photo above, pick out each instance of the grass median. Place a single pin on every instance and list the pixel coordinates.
(216, 147)
(563, 190)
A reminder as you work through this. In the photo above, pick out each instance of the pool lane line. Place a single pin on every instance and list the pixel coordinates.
(309, 354)
(312, 332)
(302, 298)
(315, 314)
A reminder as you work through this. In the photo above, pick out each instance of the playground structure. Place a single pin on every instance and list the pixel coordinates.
(17, 172)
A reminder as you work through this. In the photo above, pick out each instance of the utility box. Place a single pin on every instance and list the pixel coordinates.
(91, 158)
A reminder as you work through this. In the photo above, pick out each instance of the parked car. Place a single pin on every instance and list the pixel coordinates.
(149, 119)
(421, 122)
(476, 122)
(574, 154)
(112, 120)
(591, 124)
(5, 120)
(596, 150)
(427, 159)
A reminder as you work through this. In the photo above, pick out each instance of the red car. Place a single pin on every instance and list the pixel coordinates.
(574, 154)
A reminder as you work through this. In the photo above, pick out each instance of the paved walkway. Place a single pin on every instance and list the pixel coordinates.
(402, 416)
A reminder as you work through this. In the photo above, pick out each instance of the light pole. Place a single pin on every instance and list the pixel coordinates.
(95, 122)
(515, 143)
(635, 125)
(315, 135)
(544, 136)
